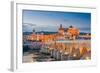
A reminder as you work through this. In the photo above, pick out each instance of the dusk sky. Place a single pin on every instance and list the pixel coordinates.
(51, 20)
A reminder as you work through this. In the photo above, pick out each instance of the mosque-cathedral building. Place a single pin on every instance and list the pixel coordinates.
(63, 33)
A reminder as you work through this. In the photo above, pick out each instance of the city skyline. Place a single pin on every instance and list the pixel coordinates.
(51, 20)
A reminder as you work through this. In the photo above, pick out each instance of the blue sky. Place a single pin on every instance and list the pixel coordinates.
(51, 20)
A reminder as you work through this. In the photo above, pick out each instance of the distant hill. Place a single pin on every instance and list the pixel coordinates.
(83, 33)
(40, 32)
(47, 33)
(27, 33)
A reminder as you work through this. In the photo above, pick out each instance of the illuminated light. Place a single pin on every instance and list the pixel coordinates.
(60, 51)
(51, 48)
(66, 53)
(74, 55)
(87, 58)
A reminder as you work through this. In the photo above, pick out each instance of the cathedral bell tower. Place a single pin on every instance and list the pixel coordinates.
(33, 31)
(60, 25)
